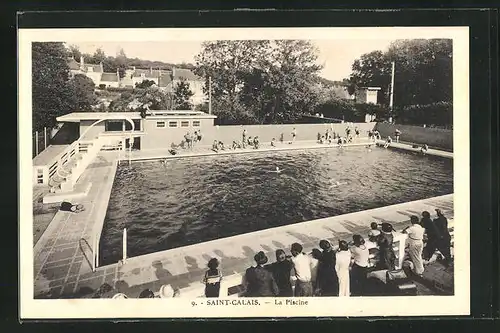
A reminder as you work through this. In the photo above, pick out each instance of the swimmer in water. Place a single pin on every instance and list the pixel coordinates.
(278, 170)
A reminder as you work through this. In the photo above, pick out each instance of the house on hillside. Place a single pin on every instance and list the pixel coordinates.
(111, 79)
(92, 71)
(166, 80)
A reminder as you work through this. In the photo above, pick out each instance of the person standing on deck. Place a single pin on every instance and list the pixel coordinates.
(415, 244)
(302, 267)
(259, 282)
(281, 270)
(397, 134)
(387, 258)
(282, 138)
(342, 263)
(444, 241)
(327, 280)
(359, 267)
(244, 137)
(432, 233)
(294, 134)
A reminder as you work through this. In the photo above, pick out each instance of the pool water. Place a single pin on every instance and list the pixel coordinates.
(191, 200)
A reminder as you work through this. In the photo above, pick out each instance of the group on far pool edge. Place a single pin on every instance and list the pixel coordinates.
(341, 271)
(329, 137)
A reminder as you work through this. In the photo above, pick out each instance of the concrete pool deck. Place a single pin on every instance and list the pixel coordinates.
(63, 255)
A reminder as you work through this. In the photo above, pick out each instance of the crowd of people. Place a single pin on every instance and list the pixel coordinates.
(340, 271)
(249, 142)
(330, 271)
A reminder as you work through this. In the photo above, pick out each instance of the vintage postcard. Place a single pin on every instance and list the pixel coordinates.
(244, 172)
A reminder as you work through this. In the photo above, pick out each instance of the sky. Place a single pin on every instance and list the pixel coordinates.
(336, 56)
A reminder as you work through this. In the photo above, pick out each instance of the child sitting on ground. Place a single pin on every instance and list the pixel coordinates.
(215, 146)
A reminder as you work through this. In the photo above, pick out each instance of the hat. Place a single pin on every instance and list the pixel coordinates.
(119, 295)
(166, 291)
(260, 258)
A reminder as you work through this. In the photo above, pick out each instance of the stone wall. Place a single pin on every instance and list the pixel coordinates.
(434, 137)
(228, 133)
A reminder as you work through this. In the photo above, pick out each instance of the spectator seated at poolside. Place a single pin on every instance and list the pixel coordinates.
(69, 207)
(221, 145)
(166, 291)
(319, 137)
(322, 139)
(146, 293)
(250, 141)
(256, 143)
(388, 142)
(236, 144)
(424, 149)
(215, 146)
(273, 142)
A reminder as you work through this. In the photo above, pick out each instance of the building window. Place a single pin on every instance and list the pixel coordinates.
(172, 124)
(114, 125)
(160, 124)
(184, 123)
(196, 123)
(39, 176)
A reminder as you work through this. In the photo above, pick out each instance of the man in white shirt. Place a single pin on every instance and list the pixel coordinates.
(415, 244)
(302, 267)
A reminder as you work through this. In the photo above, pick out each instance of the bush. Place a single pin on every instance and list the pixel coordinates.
(131, 90)
(435, 114)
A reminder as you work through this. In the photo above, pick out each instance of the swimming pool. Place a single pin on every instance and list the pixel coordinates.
(191, 200)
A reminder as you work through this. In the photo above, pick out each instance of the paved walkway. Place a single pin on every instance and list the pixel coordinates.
(63, 255)
(409, 147)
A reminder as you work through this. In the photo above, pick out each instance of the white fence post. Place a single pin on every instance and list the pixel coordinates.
(36, 143)
(124, 245)
(93, 256)
(44, 138)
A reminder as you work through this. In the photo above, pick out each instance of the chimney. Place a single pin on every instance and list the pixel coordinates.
(102, 70)
(81, 62)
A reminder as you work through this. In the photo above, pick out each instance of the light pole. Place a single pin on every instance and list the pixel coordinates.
(391, 101)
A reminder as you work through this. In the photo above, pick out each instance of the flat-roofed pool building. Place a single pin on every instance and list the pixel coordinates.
(113, 131)
(159, 129)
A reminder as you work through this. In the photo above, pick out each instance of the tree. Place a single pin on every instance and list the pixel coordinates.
(283, 87)
(121, 62)
(182, 96)
(144, 84)
(372, 70)
(53, 92)
(98, 56)
(226, 63)
(75, 52)
(423, 71)
(261, 81)
(83, 92)
(52, 95)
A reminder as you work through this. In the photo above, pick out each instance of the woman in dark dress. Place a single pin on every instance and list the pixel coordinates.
(327, 280)
(387, 258)
(281, 271)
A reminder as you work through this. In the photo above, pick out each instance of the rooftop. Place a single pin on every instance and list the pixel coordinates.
(79, 116)
(109, 77)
